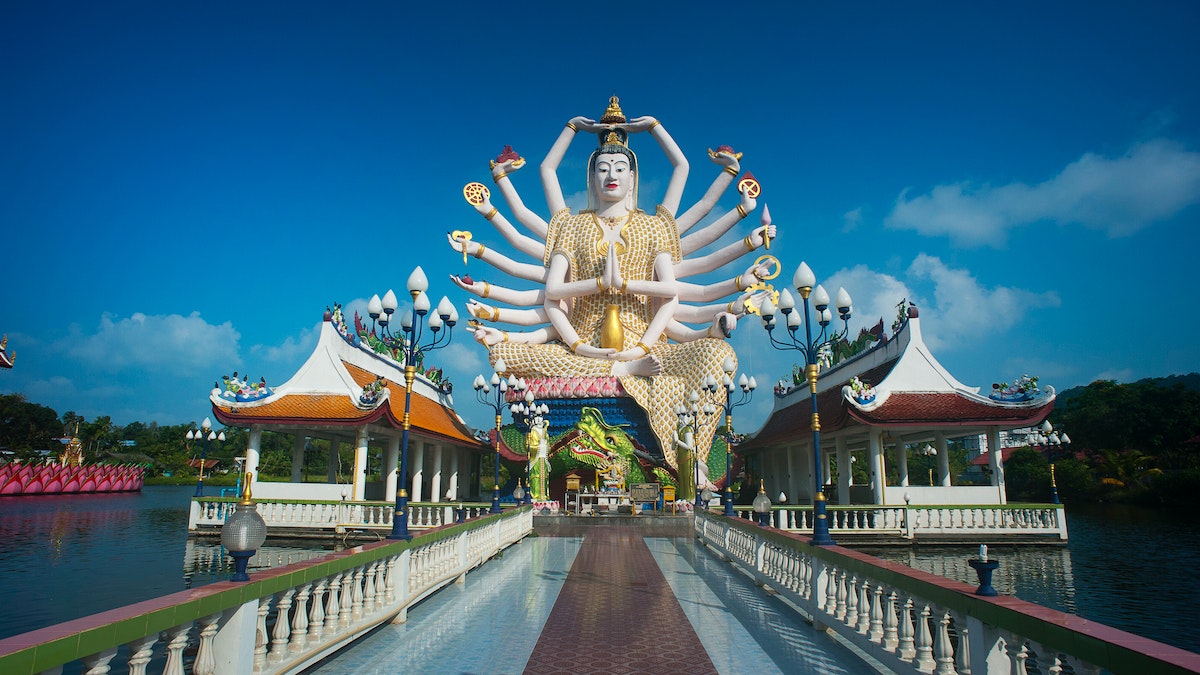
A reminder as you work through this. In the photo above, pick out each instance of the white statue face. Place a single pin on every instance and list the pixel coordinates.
(614, 179)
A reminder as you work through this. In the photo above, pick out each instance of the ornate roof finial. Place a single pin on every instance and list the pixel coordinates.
(613, 114)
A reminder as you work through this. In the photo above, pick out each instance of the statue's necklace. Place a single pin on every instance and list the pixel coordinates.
(601, 243)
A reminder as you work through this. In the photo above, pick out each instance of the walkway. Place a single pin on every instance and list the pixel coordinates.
(609, 602)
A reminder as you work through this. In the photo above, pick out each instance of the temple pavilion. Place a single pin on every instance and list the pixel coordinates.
(872, 408)
(351, 391)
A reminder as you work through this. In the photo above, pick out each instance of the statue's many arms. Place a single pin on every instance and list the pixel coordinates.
(609, 296)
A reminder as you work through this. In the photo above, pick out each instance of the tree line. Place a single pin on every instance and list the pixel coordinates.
(1135, 443)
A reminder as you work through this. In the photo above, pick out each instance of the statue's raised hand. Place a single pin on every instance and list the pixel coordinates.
(726, 157)
(464, 245)
(612, 271)
(486, 335)
(586, 124)
(481, 311)
(640, 124)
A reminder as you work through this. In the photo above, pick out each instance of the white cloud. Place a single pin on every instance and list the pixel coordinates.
(175, 344)
(962, 309)
(292, 351)
(1118, 196)
(851, 220)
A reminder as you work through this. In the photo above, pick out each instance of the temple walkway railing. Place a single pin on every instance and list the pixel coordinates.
(333, 516)
(915, 622)
(280, 621)
(979, 523)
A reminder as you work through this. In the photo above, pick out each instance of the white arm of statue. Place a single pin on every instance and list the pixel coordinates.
(558, 288)
(707, 235)
(528, 218)
(557, 314)
(683, 333)
(662, 286)
(697, 293)
(485, 290)
(729, 169)
(724, 255)
(530, 247)
(516, 317)
(705, 313)
(488, 336)
(680, 173)
(664, 312)
(498, 260)
(549, 168)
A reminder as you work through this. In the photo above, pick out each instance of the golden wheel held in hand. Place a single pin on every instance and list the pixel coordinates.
(475, 193)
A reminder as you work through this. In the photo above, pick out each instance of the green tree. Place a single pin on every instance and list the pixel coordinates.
(28, 429)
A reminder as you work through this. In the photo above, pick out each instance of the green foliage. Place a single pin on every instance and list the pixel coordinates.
(27, 428)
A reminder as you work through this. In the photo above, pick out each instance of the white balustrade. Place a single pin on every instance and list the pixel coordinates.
(913, 625)
(291, 627)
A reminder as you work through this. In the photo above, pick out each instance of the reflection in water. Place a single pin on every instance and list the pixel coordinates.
(1037, 574)
(205, 562)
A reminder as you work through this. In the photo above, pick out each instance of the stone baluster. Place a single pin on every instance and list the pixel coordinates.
(345, 612)
(831, 591)
(177, 639)
(842, 608)
(1017, 653)
(97, 664)
(206, 662)
(316, 616)
(333, 605)
(370, 594)
(906, 648)
(356, 598)
(300, 620)
(283, 629)
(875, 634)
(864, 608)
(141, 652)
(944, 646)
(924, 639)
(260, 635)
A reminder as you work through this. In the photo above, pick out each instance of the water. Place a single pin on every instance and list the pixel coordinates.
(65, 557)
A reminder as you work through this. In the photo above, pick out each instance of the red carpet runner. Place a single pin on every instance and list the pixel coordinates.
(616, 614)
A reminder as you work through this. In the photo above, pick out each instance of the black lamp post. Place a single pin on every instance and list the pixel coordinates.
(747, 385)
(495, 400)
(409, 344)
(207, 435)
(806, 284)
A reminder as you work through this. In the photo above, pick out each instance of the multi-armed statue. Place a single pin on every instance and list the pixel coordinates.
(609, 311)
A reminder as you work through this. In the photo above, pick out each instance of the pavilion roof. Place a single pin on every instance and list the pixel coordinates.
(326, 391)
(913, 390)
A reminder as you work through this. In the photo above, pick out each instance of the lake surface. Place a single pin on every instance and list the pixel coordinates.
(64, 557)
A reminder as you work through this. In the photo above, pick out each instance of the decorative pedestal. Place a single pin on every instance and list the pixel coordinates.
(984, 569)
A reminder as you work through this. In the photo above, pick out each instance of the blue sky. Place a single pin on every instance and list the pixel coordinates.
(186, 186)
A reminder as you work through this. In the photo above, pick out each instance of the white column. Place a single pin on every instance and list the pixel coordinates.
(298, 457)
(416, 463)
(332, 464)
(843, 462)
(943, 459)
(996, 460)
(391, 459)
(253, 450)
(435, 485)
(454, 459)
(360, 465)
(902, 461)
(875, 449)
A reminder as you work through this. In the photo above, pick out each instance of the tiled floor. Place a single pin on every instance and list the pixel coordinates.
(619, 613)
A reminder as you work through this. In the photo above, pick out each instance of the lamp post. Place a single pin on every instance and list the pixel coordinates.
(762, 505)
(687, 417)
(1046, 438)
(409, 344)
(929, 451)
(495, 400)
(531, 414)
(243, 533)
(747, 385)
(806, 284)
(207, 435)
